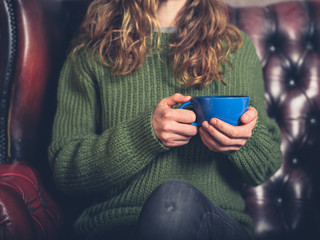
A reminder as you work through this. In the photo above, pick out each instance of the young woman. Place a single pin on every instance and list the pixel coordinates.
(120, 139)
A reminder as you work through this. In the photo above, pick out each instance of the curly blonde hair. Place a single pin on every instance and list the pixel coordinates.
(122, 30)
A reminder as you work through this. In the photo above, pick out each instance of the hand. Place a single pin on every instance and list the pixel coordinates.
(219, 136)
(170, 125)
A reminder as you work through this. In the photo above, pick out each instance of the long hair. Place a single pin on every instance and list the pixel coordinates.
(121, 31)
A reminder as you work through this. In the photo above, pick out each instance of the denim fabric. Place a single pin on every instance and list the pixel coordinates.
(176, 210)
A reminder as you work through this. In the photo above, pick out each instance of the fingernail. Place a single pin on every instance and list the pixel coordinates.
(214, 121)
(205, 124)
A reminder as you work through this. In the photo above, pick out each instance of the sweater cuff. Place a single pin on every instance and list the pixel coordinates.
(144, 140)
(259, 158)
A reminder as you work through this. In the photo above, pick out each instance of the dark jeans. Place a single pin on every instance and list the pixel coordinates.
(176, 210)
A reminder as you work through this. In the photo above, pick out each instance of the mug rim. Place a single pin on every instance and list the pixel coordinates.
(222, 96)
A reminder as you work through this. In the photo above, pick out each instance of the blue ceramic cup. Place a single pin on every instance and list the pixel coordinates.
(226, 108)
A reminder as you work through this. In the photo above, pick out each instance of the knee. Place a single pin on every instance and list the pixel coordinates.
(170, 208)
(173, 191)
(171, 201)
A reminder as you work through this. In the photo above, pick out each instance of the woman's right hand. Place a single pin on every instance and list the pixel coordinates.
(172, 126)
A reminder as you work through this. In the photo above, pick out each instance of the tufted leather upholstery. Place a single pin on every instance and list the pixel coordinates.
(287, 39)
(34, 35)
(33, 41)
(24, 194)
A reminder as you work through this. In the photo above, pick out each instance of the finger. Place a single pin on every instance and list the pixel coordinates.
(179, 115)
(223, 139)
(176, 98)
(185, 116)
(250, 115)
(243, 131)
(174, 140)
(176, 144)
(214, 145)
(181, 129)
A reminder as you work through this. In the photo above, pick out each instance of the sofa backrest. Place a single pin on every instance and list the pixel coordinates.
(287, 40)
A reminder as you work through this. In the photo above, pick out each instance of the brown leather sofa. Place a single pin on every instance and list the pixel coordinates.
(34, 37)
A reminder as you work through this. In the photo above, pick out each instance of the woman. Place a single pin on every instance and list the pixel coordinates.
(120, 139)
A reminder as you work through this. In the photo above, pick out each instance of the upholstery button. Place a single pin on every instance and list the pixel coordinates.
(292, 82)
(295, 161)
(313, 121)
(272, 48)
(278, 201)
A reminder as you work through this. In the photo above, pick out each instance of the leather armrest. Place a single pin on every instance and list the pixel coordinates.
(26, 209)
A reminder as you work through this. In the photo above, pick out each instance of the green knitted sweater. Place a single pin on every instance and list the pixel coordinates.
(103, 144)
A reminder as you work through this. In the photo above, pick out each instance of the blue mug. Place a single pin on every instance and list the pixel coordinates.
(226, 108)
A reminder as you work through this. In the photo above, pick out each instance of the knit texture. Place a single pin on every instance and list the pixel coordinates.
(104, 146)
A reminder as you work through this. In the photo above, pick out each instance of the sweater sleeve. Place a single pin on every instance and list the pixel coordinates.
(261, 156)
(84, 159)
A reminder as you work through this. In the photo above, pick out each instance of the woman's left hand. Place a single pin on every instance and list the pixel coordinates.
(219, 136)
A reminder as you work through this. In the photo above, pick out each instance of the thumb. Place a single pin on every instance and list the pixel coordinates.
(176, 98)
(250, 115)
